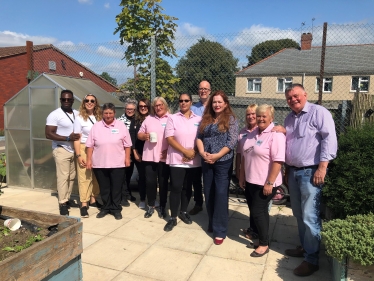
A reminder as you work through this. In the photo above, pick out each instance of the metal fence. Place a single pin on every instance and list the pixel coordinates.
(253, 67)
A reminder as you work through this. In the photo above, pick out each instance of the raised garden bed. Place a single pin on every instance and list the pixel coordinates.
(56, 257)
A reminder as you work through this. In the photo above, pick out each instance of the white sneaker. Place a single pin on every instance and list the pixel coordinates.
(142, 205)
(157, 204)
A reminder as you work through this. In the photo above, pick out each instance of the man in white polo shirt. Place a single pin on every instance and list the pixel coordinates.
(60, 129)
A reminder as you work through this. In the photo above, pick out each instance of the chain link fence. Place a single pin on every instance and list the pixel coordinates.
(253, 66)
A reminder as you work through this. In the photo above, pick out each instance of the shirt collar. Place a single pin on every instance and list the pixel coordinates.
(111, 125)
(192, 114)
(305, 109)
(267, 130)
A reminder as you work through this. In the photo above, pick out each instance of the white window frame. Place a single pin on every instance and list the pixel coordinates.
(286, 80)
(325, 82)
(361, 79)
(255, 81)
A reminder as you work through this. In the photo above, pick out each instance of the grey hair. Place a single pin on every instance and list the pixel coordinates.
(130, 101)
(265, 107)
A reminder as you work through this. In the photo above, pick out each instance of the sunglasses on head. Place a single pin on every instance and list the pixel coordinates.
(180, 101)
(66, 99)
(87, 101)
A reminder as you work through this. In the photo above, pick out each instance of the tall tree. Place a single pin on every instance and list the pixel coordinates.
(138, 21)
(207, 60)
(268, 48)
(110, 79)
(165, 84)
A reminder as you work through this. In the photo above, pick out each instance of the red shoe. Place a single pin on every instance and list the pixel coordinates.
(218, 241)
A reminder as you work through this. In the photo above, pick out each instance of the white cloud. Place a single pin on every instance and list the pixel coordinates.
(106, 5)
(9, 38)
(104, 51)
(85, 1)
(188, 34)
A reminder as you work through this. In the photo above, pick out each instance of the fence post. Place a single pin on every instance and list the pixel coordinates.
(153, 67)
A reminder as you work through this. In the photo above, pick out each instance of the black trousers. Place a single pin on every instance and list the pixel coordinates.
(156, 172)
(248, 197)
(140, 166)
(259, 210)
(198, 187)
(181, 188)
(110, 183)
(126, 191)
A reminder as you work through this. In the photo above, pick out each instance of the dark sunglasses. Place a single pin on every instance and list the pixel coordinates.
(66, 100)
(180, 101)
(143, 106)
(92, 101)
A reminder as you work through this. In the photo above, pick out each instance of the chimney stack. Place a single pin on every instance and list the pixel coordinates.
(306, 41)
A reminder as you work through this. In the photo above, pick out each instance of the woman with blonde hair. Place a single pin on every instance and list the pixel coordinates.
(89, 114)
(216, 139)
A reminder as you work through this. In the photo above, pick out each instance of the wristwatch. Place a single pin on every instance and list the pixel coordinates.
(68, 138)
(77, 156)
(269, 183)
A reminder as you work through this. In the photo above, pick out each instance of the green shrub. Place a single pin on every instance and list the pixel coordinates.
(349, 188)
(352, 237)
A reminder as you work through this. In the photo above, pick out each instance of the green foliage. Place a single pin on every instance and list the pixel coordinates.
(352, 238)
(349, 188)
(2, 164)
(5, 231)
(137, 22)
(165, 82)
(207, 60)
(29, 243)
(110, 79)
(268, 48)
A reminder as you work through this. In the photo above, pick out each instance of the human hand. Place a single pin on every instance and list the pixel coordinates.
(74, 137)
(81, 162)
(189, 154)
(137, 156)
(127, 162)
(211, 158)
(279, 129)
(268, 189)
(88, 164)
(319, 176)
(163, 154)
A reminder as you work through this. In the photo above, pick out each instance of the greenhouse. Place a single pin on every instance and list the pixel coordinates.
(30, 162)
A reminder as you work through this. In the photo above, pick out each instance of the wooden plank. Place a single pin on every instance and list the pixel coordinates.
(47, 256)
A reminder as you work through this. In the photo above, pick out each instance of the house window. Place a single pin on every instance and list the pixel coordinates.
(362, 82)
(326, 86)
(283, 83)
(254, 85)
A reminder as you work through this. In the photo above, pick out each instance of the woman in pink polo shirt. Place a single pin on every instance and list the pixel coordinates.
(108, 153)
(263, 153)
(154, 155)
(180, 132)
(250, 125)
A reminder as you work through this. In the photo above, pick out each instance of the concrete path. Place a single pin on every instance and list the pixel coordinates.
(136, 248)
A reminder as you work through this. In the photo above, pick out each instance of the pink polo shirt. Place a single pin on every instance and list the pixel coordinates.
(184, 131)
(152, 151)
(260, 151)
(242, 135)
(108, 144)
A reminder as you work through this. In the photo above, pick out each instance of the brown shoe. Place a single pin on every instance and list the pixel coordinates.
(297, 253)
(305, 269)
(195, 210)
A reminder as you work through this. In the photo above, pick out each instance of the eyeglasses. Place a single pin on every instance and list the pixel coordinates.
(66, 100)
(143, 106)
(204, 89)
(186, 101)
(130, 109)
(159, 105)
(91, 101)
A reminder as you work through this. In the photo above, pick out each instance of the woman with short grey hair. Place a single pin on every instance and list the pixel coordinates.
(128, 118)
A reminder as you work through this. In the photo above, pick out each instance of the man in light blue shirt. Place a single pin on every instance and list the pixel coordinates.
(310, 144)
(198, 108)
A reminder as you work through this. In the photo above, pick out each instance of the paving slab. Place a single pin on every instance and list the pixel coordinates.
(94, 273)
(113, 253)
(221, 269)
(187, 240)
(165, 264)
(88, 239)
(102, 226)
(286, 234)
(125, 276)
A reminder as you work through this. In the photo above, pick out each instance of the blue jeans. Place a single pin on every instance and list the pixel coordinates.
(216, 179)
(305, 204)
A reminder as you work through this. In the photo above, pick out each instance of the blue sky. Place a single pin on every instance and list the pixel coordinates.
(75, 22)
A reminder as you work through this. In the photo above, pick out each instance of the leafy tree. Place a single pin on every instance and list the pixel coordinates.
(110, 79)
(207, 60)
(137, 22)
(268, 48)
(165, 82)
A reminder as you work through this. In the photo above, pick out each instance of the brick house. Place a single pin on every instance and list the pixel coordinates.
(346, 67)
(20, 64)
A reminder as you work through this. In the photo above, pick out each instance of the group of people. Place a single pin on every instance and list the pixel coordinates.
(198, 142)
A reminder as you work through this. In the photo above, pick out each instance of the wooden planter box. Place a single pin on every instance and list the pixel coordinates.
(55, 258)
(350, 271)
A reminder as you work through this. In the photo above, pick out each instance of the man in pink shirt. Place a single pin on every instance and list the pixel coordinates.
(108, 153)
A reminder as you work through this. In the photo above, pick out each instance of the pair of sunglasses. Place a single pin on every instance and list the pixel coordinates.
(186, 101)
(66, 100)
(91, 101)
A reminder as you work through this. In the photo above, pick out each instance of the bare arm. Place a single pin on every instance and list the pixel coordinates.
(187, 153)
(127, 156)
(273, 173)
(50, 133)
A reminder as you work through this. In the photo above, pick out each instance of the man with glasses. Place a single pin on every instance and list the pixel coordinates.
(60, 129)
(198, 108)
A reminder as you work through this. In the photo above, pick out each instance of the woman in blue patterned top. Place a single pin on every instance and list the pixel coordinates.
(216, 140)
